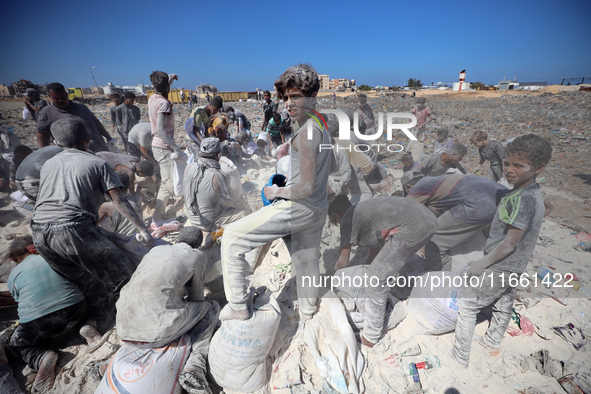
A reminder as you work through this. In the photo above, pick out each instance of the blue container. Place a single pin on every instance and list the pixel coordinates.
(276, 179)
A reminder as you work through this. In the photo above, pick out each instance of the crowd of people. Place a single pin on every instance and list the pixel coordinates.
(74, 275)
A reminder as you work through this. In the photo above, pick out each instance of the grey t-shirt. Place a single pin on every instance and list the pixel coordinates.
(118, 159)
(153, 304)
(522, 208)
(72, 187)
(469, 198)
(141, 135)
(364, 222)
(30, 168)
(208, 200)
(493, 152)
(431, 165)
(50, 114)
(121, 224)
(127, 117)
(245, 122)
(318, 199)
(39, 104)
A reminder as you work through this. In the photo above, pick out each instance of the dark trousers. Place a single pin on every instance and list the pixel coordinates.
(85, 255)
(50, 332)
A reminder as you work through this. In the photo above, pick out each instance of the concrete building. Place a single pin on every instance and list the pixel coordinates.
(342, 84)
(324, 81)
(532, 85)
(139, 89)
(205, 88)
(6, 90)
(21, 86)
(507, 85)
(97, 90)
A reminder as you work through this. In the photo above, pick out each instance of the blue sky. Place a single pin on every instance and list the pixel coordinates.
(245, 45)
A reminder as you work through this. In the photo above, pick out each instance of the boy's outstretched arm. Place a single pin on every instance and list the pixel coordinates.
(343, 260)
(505, 248)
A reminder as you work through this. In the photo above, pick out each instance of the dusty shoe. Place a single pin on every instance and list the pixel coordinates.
(193, 383)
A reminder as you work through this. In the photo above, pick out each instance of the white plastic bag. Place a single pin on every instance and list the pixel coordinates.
(22, 204)
(435, 309)
(146, 371)
(239, 349)
(178, 173)
(232, 176)
(334, 347)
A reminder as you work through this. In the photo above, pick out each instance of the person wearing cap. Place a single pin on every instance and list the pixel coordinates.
(34, 103)
(207, 194)
(202, 122)
(163, 302)
(63, 107)
(298, 211)
(439, 163)
(393, 228)
(164, 147)
(128, 115)
(463, 204)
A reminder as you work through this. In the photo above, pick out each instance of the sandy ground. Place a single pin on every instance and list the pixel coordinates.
(293, 363)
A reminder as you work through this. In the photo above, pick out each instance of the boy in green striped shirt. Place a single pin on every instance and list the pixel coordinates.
(513, 235)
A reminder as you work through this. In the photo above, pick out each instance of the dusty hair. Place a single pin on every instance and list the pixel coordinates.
(159, 80)
(146, 167)
(18, 247)
(421, 100)
(458, 149)
(55, 87)
(340, 205)
(302, 77)
(443, 132)
(190, 235)
(69, 132)
(478, 136)
(407, 158)
(124, 179)
(535, 149)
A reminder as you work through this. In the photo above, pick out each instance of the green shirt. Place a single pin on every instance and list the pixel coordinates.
(39, 290)
(273, 129)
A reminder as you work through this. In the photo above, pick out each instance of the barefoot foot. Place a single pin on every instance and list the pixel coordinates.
(46, 373)
(90, 333)
(366, 342)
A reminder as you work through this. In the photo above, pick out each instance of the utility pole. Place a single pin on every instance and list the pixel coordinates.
(91, 73)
